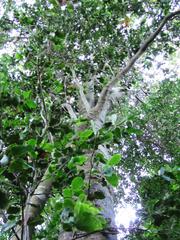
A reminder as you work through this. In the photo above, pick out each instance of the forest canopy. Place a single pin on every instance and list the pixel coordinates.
(89, 100)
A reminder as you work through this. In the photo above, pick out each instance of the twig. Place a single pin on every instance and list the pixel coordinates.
(139, 99)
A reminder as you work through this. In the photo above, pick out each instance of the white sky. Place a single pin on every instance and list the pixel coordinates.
(125, 215)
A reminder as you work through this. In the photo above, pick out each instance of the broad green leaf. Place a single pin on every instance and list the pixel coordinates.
(69, 203)
(89, 223)
(47, 147)
(113, 180)
(77, 184)
(115, 159)
(85, 134)
(80, 159)
(58, 87)
(32, 142)
(136, 131)
(31, 104)
(20, 150)
(16, 166)
(107, 137)
(84, 211)
(82, 197)
(100, 158)
(18, 56)
(81, 208)
(77, 160)
(26, 94)
(67, 193)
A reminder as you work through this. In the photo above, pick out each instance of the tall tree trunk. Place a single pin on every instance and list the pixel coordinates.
(95, 184)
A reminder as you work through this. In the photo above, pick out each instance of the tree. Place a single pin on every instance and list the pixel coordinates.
(65, 77)
(152, 140)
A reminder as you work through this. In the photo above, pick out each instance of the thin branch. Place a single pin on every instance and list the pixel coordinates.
(43, 112)
(81, 92)
(70, 110)
(104, 151)
(105, 92)
(91, 91)
(136, 96)
(109, 231)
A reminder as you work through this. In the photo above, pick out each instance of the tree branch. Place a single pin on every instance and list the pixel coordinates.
(104, 96)
(81, 92)
(70, 110)
(90, 94)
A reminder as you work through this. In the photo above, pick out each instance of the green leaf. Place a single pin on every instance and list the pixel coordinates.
(69, 203)
(100, 158)
(32, 142)
(26, 94)
(49, 147)
(67, 193)
(19, 165)
(58, 87)
(31, 104)
(87, 217)
(77, 160)
(107, 137)
(113, 180)
(136, 131)
(77, 184)
(18, 56)
(81, 208)
(59, 47)
(80, 159)
(82, 197)
(54, 2)
(85, 134)
(89, 223)
(20, 150)
(114, 161)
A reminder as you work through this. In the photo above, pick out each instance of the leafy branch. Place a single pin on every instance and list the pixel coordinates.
(105, 93)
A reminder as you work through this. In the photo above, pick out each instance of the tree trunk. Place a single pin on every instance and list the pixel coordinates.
(34, 205)
(96, 185)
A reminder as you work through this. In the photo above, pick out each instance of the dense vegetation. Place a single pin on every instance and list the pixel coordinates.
(78, 118)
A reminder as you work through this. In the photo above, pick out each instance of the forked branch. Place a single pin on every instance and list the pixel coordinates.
(104, 96)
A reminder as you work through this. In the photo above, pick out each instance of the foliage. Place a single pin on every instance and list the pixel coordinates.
(160, 199)
(37, 136)
(155, 153)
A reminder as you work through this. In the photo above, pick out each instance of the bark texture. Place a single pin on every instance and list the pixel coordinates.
(34, 205)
